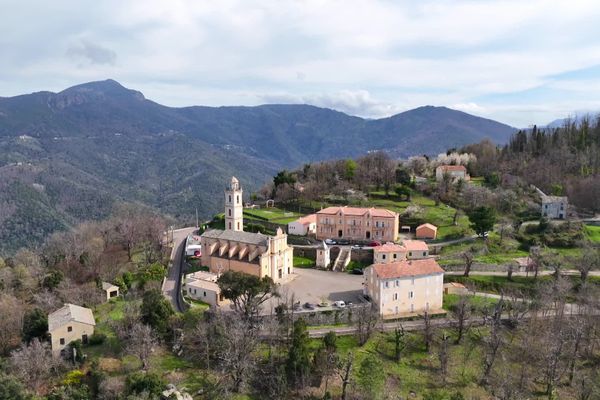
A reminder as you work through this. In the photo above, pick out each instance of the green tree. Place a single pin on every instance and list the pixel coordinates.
(11, 389)
(246, 292)
(52, 279)
(156, 311)
(371, 376)
(140, 382)
(283, 177)
(70, 392)
(403, 176)
(482, 219)
(403, 191)
(492, 179)
(35, 325)
(298, 361)
(350, 169)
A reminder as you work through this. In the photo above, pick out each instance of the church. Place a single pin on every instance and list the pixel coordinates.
(253, 253)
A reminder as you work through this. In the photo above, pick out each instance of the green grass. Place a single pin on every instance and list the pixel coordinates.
(593, 233)
(271, 215)
(303, 262)
(352, 265)
(478, 303)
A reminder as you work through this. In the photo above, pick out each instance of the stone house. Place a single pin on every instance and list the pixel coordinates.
(360, 224)
(388, 253)
(454, 171)
(68, 324)
(426, 231)
(416, 249)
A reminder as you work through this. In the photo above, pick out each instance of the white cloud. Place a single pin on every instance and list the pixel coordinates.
(370, 58)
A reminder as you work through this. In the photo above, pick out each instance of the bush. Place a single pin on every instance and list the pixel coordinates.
(139, 382)
(96, 339)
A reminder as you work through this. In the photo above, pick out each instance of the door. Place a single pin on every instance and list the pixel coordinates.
(280, 274)
(84, 339)
(368, 235)
(340, 233)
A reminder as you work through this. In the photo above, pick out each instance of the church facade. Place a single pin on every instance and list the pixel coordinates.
(253, 253)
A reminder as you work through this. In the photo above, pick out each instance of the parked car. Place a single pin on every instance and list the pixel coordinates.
(339, 304)
(297, 306)
(375, 243)
(323, 304)
(309, 306)
(343, 242)
(357, 271)
(330, 241)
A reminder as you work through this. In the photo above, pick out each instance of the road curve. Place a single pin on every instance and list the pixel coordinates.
(172, 284)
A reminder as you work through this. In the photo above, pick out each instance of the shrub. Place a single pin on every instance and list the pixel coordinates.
(96, 339)
(139, 382)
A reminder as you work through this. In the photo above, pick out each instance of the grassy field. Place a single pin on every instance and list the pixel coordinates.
(303, 262)
(478, 303)
(441, 215)
(593, 233)
(272, 214)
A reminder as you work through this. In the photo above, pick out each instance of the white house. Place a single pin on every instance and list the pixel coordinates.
(323, 256)
(68, 324)
(454, 171)
(554, 207)
(110, 290)
(203, 286)
(416, 249)
(405, 287)
(303, 226)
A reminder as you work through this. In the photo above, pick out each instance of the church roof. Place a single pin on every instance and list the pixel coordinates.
(237, 236)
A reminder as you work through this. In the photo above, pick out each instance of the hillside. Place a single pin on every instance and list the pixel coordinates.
(70, 155)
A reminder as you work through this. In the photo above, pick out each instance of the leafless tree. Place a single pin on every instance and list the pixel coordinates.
(461, 313)
(443, 356)
(399, 341)
(494, 341)
(346, 374)
(111, 388)
(34, 364)
(590, 260)
(428, 331)
(11, 322)
(468, 258)
(141, 342)
(367, 318)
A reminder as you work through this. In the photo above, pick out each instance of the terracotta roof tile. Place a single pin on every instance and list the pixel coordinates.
(427, 225)
(426, 266)
(358, 211)
(415, 245)
(309, 219)
(388, 247)
(453, 168)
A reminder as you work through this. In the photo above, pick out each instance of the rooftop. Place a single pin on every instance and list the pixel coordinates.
(108, 286)
(452, 168)
(358, 211)
(237, 236)
(70, 313)
(407, 268)
(427, 225)
(309, 219)
(415, 245)
(388, 247)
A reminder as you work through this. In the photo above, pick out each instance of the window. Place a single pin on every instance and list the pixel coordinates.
(397, 283)
(395, 296)
(546, 206)
(383, 256)
(411, 295)
(62, 340)
(204, 294)
(237, 198)
(395, 256)
(229, 212)
(410, 253)
(230, 198)
(69, 329)
(387, 285)
(230, 225)
(238, 226)
(424, 253)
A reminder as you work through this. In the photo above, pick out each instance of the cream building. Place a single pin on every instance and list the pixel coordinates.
(68, 324)
(405, 287)
(202, 285)
(252, 253)
(323, 258)
(416, 249)
(303, 226)
(355, 223)
(453, 171)
(388, 253)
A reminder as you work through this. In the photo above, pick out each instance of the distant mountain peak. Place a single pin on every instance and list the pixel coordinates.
(97, 91)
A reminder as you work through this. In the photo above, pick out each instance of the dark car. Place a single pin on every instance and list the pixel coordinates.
(375, 243)
(297, 306)
(357, 271)
(309, 306)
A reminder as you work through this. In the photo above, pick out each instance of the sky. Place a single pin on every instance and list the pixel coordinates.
(518, 62)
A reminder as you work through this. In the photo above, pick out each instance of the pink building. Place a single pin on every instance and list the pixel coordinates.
(355, 223)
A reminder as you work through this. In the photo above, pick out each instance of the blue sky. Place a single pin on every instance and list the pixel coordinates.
(519, 62)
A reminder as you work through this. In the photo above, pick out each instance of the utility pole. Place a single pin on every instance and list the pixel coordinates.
(197, 226)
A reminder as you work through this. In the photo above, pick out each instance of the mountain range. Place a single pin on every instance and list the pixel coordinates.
(69, 156)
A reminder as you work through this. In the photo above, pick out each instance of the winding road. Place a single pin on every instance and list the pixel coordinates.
(172, 284)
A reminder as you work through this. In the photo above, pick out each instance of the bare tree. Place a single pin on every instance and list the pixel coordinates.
(590, 260)
(461, 314)
(141, 342)
(427, 331)
(367, 318)
(12, 311)
(34, 364)
(346, 374)
(443, 356)
(468, 259)
(494, 341)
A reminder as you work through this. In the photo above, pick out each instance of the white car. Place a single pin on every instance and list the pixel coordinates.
(340, 304)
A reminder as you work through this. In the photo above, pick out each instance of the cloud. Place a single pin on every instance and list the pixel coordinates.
(92, 53)
(353, 102)
(365, 57)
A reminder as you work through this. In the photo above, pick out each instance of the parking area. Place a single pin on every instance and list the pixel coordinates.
(316, 286)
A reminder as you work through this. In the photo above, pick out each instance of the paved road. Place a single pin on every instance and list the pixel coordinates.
(171, 285)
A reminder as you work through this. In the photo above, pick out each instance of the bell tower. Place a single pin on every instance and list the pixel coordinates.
(234, 209)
